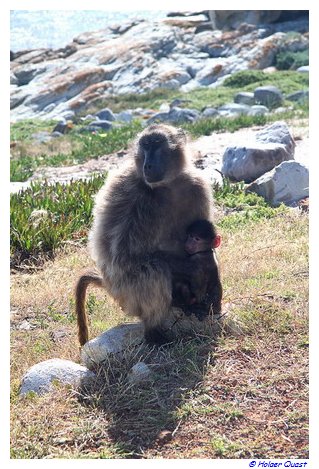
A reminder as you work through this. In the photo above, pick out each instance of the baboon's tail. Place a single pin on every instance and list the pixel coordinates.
(90, 276)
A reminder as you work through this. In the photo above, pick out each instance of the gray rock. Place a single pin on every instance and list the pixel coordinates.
(139, 373)
(269, 96)
(40, 377)
(258, 110)
(286, 183)
(49, 108)
(100, 124)
(13, 79)
(273, 145)
(56, 134)
(210, 112)
(42, 137)
(244, 97)
(278, 132)
(172, 84)
(175, 115)
(115, 340)
(233, 109)
(303, 69)
(67, 115)
(301, 96)
(105, 115)
(124, 116)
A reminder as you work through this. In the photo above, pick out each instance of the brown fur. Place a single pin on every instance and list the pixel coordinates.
(89, 277)
(139, 229)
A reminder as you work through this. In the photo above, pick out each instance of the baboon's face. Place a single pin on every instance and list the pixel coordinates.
(160, 155)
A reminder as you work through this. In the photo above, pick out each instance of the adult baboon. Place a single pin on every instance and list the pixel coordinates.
(140, 219)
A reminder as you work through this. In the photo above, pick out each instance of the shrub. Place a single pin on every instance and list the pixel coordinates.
(244, 78)
(68, 211)
(287, 60)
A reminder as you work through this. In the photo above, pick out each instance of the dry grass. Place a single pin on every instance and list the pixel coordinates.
(241, 395)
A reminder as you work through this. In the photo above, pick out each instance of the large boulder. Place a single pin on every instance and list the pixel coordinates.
(273, 145)
(269, 96)
(40, 378)
(286, 183)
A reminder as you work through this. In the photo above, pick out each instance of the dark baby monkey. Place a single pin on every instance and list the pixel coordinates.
(200, 291)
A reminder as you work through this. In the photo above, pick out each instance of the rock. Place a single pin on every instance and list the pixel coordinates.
(258, 110)
(105, 115)
(213, 69)
(286, 183)
(273, 145)
(124, 116)
(40, 377)
(303, 69)
(115, 340)
(99, 124)
(68, 115)
(139, 373)
(42, 137)
(279, 133)
(135, 58)
(233, 109)
(232, 19)
(269, 96)
(175, 115)
(301, 96)
(244, 97)
(210, 112)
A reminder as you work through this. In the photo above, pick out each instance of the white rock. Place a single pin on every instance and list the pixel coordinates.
(303, 69)
(139, 372)
(39, 377)
(273, 145)
(114, 340)
(286, 183)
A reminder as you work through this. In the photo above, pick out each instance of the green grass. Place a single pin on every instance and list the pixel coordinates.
(23, 130)
(86, 146)
(248, 80)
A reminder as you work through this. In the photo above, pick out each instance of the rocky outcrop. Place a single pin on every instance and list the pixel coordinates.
(137, 57)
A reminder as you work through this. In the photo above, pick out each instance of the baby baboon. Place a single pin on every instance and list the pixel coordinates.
(140, 221)
(202, 291)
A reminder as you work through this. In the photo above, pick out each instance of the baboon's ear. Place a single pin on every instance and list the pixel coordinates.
(182, 136)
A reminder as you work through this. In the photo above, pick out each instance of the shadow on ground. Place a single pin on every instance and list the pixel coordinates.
(144, 415)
